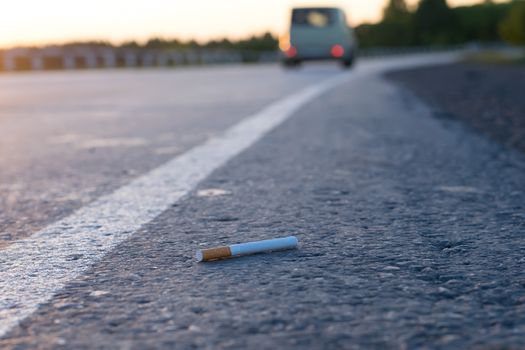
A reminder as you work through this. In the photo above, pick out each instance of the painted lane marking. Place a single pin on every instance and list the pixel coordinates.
(32, 270)
(112, 142)
(459, 189)
(212, 192)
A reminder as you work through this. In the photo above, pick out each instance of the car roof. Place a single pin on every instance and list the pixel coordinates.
(316, 8)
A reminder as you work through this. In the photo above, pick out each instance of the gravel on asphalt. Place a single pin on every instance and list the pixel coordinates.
(490, 98)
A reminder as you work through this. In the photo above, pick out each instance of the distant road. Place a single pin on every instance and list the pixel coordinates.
(409, 227)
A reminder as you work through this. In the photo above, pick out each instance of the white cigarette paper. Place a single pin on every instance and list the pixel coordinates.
(290, 242)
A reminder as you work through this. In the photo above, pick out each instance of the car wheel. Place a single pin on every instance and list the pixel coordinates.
(348, 62)
(291, 63)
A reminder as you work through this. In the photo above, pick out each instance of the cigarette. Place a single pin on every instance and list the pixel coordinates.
(247, 248)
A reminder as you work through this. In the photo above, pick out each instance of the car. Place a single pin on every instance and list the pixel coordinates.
(318, 33)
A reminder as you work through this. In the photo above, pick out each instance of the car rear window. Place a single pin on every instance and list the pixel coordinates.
(313, 17)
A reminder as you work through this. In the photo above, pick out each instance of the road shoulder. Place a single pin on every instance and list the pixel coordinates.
(486, 97)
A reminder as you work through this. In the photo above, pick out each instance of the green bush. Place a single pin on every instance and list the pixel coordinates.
(512, 29)
(433, 22)
(481, 22)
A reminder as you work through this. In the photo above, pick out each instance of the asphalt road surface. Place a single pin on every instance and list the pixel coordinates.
(410, 227)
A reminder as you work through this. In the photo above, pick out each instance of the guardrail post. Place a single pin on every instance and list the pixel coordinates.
(9, 61)
(37, 62)
(130, 59)
(69, 61)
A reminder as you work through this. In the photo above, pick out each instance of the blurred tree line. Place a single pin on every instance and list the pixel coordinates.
(257, 43)
(433, 22)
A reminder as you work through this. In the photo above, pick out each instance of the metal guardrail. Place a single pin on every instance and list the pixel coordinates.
(56, 58)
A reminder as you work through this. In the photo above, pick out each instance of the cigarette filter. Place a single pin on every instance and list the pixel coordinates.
(247, 248)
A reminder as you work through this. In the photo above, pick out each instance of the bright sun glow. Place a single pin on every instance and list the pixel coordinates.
(55, 21)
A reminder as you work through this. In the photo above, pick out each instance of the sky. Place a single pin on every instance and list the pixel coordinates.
(38, 22)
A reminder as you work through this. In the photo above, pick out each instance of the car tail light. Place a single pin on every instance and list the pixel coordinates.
(291, 52)
(337, 51)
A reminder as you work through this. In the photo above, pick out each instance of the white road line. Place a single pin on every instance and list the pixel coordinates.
(32, 270)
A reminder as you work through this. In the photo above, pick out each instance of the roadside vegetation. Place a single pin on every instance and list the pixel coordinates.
(435, 23)
(512, 29)
(495, 57)
(256, 43)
